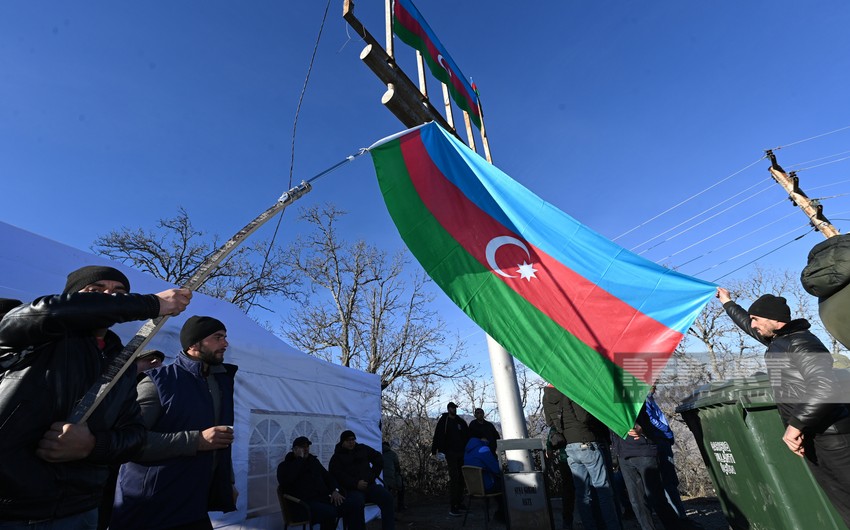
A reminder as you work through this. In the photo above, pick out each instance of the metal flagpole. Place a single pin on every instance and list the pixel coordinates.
(119, 364)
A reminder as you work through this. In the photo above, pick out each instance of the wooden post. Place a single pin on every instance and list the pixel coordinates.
(447, 100)
(388, 9)
(811, 207)
(420, 68)
(469, 137)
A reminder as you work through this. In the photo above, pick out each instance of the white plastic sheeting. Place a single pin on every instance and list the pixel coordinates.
(280, 394)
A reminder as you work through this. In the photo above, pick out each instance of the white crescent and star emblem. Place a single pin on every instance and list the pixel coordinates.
(525, 270)
(442, 61)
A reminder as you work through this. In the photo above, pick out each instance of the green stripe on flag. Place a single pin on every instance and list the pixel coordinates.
(532, 337)
(415, 41)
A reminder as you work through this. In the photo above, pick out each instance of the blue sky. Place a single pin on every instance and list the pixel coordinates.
(118, 113)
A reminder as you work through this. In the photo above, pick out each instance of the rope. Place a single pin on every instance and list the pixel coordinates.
(292, 149)
(688, 199)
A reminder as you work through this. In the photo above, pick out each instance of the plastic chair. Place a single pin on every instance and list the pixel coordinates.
(474, 478)
(287, 505)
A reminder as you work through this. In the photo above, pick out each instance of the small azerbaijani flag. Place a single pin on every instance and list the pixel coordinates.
(592, 318)
(411, 28)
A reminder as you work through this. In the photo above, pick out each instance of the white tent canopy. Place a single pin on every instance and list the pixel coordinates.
(280, 394)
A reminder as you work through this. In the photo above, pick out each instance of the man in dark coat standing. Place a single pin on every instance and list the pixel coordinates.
(484, 430)
(185, 469)
(800, 370)
(356, 467)
(51, 352)
(450, 437)
(302, 475)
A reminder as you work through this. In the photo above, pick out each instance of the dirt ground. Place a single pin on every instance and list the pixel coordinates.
(430, 513)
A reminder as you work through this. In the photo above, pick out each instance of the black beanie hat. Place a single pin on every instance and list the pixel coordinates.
(7, 304)
(346, 435)
(198, 328)
(92, 274)
(772, 307)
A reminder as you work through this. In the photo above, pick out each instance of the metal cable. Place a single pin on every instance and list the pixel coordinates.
(733, 225)
(292, 148)
(752, 249)
(748, 234)
(812, 138)
(701, 222)
(688, 199)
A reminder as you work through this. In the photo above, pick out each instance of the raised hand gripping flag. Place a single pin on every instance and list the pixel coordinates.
(593, 319)
(410, 26)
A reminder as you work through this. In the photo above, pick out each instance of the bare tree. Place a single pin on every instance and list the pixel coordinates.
(408, 427)
(175, 249)
(358, 309)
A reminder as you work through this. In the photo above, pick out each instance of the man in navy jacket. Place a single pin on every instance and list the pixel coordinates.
(185, 468)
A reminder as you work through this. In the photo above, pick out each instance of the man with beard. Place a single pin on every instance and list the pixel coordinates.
(185, 468)
(817, 423)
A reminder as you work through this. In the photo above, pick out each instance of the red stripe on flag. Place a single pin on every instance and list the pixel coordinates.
(412, 24)
(594, 316)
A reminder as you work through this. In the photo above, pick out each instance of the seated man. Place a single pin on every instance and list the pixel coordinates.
(478, 454)
(302, 475)
(355, 467)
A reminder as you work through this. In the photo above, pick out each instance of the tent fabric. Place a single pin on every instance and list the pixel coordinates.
(281, 393)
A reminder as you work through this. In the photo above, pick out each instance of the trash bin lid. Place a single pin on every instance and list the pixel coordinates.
(750, 391)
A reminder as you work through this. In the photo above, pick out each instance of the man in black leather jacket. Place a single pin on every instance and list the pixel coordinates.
(800, 370)
(51, 351)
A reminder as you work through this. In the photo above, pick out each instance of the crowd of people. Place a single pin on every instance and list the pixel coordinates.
(156, 452)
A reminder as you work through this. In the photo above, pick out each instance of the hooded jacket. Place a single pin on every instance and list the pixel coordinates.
(63, 361)
(478, 454)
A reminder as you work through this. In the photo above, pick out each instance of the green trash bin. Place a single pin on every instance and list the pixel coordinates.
(759, 482)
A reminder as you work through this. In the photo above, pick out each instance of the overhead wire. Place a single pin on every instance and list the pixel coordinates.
(817, 159)
(668, 210)
(733, 225)
(812, 138)
(703, 221)
(754, 248)
(831, 159)
(801, 236)
(292, 148)
(724, 245)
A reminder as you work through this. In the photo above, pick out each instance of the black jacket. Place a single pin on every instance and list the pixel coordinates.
(450, 435)
(486, 430)
(64, 360)
(305, 478)
(579, 425)
(360, 463)
(800, 370)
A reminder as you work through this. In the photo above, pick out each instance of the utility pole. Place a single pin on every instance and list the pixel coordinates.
(811, 207)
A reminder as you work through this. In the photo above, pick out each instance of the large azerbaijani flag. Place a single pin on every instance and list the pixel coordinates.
(592, 318)
(410, 26)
